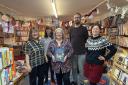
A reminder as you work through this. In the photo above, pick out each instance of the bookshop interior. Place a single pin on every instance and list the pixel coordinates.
(63, 42)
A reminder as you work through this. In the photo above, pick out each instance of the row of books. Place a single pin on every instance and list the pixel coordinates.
(123, 62)
(22, 33)
(120, 67)
(23, 28)
(114, 82)
(6, 57)
(123, 29)
(21, 39)
(122, 58)
(7, 66)
(7, 27)
(121, 76)
(123, 41)
(6, 76)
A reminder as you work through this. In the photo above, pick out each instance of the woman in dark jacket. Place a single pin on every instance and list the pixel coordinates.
(48, 37)
(96, 55)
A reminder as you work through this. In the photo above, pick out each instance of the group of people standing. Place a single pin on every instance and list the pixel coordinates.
(80, 56)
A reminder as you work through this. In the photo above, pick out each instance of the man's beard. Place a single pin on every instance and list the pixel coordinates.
(77, 22)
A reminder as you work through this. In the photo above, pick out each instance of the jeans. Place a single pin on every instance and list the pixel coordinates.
(77, 68)
(63, 78)
(37, 72)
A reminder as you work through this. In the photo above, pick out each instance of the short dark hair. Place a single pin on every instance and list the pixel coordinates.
(51, 34)
(77, 13)
(97, 25)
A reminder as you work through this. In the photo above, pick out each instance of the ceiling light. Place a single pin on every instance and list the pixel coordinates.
(54, 8)
(98, 11)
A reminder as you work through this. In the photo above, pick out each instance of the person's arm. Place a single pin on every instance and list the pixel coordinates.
(70, 34)
(27, 62)
(50, 51)
(45, 52)
(85, 34)
(69, 49)
(112, 50)
(69, 46)
(26, 52)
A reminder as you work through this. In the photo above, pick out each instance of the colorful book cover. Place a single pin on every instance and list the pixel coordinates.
(7, 57)
(59, 54)
(10, 57)
(116, 73)
(120, 75)
(1, 65)
(124, 79)
(12, 61)
(7, 75)
(120, 60)
(3, 78)
(4, 57)
(126, 63)
(113, 83)
(10, 73)
(0, 81)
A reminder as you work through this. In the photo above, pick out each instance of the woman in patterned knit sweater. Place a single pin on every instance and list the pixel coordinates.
(96, 55)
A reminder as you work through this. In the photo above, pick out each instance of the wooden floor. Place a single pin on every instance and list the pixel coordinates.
(105, 79)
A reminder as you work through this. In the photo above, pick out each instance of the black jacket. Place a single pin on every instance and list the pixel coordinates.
(78, 37)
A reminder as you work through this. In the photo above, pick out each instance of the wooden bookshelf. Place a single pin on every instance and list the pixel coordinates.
(123, 47)
(114, 78)
(123, 35)
(18, 79)
(121, 67)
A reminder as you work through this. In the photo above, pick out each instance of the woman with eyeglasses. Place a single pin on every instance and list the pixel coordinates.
(60, 51)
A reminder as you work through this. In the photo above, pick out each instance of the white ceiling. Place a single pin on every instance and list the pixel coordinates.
(44, 8)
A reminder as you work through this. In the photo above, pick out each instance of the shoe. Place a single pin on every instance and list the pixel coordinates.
(73, 83)
(53, 83)
(86, 82)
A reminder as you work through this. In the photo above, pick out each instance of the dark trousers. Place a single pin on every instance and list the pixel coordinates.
(92, 83)
(63, 78)
(37, 72)
(49, 66)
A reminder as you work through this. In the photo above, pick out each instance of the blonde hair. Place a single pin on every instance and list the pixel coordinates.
(59, 30)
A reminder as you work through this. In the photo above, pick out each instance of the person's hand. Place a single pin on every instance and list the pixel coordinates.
(101, 58)
(25, 70)
(46, 58)
(53, 58)
(29, 68)
(65, 58)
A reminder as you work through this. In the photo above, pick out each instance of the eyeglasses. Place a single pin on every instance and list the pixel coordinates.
(76, 17)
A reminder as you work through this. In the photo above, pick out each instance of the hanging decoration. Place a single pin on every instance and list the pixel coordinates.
(92, 13)
(114, 10)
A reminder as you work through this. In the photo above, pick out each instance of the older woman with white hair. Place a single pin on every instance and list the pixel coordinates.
(60, 50)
